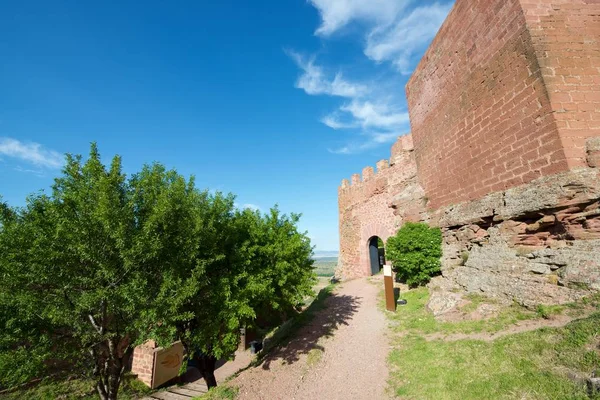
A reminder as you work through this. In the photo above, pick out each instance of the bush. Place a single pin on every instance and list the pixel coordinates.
(19, 366)
(415, 253)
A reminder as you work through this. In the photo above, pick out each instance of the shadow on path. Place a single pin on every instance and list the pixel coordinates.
(320, 320)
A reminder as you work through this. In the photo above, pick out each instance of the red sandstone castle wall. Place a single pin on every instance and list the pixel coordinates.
(377, 205)
(481, 117)
(566, 39)
(505, 116)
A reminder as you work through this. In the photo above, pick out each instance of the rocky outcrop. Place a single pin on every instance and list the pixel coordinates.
(535, 244)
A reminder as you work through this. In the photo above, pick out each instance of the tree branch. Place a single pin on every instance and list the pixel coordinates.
(94, 324)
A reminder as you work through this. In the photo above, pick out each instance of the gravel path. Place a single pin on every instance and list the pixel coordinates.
(341, 354)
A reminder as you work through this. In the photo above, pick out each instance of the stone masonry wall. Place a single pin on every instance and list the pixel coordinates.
(143, 361)
(480, 114)
(538, 243)
(505, 115)
(377, 205)
(566, 39)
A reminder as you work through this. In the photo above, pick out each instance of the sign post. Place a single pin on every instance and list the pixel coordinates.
(388, 281)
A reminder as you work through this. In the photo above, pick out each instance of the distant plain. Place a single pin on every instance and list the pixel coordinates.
(325, 266)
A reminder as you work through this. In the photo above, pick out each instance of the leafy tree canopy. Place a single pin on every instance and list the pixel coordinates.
(415, 253)
(104, 263)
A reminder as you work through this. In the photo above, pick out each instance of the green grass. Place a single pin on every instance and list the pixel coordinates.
(75, 389)
(282, 334)
(414, 316)
(530, 365)
(220, 393)
(314, 357)
(548, 311)
(475, 301)
(53, 389)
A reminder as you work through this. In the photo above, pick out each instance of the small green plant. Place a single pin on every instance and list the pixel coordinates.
(542, 311)
(314, 356)
(415, 253)
(464, 256)
(547, 311)
(220, 393)
(134, 387)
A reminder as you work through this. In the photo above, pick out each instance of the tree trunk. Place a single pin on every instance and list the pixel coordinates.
(206, 365)
(109, 380)
(111, 358)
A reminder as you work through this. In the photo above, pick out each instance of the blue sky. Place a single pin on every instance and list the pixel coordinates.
(276, 101)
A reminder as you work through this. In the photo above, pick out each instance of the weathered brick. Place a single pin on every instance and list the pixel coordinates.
(507, 93)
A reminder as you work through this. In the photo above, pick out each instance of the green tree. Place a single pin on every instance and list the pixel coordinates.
(24, 337)
(415, 252)
(75, 267)
(248, 266)
(104, 263)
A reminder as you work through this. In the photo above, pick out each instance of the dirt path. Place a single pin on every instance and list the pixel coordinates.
(341, 354)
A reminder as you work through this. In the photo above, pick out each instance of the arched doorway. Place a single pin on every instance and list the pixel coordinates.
(376, 254)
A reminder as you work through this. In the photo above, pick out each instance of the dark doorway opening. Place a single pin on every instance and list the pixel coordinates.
(376, 254)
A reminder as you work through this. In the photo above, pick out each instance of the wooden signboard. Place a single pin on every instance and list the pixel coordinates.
(388, 282)
(167, 363)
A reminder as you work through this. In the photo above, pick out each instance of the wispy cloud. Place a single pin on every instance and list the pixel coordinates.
(368, 140)
(314, 80)
(377, 116)
(401, 41)
(336, 14)
(336, 121)
(396, 33)
(37, 172)
(30, 152)
(396, 29)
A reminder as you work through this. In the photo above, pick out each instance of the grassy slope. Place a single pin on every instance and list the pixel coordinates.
(529, 365)
(75, 389)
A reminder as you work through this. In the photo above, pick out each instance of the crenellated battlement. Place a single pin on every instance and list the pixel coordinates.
(385, 195)
(398, 159)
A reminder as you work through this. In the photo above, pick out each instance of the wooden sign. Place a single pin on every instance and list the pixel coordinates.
(167, 363)
(388, 282)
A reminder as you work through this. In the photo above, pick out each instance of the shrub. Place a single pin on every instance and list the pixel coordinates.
(415, 253)
(19, 366)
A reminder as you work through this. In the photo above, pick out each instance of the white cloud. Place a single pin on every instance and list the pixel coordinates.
(402, 41)
(385, 137)
(33, 153)
(372, 115)
(380, 123)
(252, 207)
(396, 33)
(314, 80)
(37, 172)
(335, 14)
(334, 122)
(376, 115)
(369, 140)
